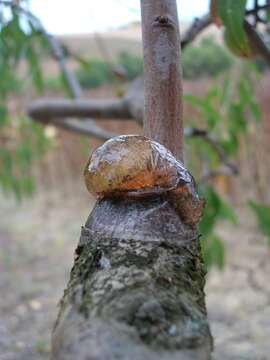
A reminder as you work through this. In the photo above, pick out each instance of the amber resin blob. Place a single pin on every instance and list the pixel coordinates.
(135, 166)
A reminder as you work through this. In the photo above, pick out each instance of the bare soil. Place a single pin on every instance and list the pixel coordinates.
(38, 238)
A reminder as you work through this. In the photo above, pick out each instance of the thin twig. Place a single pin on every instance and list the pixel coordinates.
(195, 132)
(256, 13)
(197, 26)
(257, 41)
(213, 173)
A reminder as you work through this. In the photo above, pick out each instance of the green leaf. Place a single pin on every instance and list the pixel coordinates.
(213, 251)
(3, 115)
(218, 252)
(211, 210)
(216, 209)
(41, 142)
(65, 85)
(227, 212)
(5, 161)
(36, 35)
(224, 90)
(262, 213)
(14, 37)
(34, 68)
(232, 13)
(256, 111)
(211, 114)
(85, 64)
(230, 144)
(27, 185)
(24, 155)
(237, 118)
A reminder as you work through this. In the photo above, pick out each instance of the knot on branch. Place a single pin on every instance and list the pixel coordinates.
(164, 21)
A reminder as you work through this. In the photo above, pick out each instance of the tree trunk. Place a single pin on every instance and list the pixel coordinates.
(136, 288)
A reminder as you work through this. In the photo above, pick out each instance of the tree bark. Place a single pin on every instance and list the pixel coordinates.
(136, 288)
(162, 75)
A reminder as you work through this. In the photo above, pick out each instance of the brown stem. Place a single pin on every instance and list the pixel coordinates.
(163, 83)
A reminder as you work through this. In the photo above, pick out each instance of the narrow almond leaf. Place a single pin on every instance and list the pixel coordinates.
(232, 14)
(262, 213)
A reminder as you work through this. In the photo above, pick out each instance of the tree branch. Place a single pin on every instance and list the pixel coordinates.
(130, 106)
(197, 26)
(258, 9)
(45, 110)
(212, 173)
(86, 127)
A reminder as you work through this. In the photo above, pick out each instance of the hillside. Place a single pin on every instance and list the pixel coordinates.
(109, 44)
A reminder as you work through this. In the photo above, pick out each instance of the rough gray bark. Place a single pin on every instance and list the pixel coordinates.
(136, 288)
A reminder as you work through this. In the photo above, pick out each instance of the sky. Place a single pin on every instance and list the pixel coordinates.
(86, 16)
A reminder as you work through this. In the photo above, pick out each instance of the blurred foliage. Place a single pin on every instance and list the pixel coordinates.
(205, 59)
(25, 142)
(93, 73)
(132, 64)
(226, 107)
(217, 209)
(21, 141)
(227, 111)
(262, 213)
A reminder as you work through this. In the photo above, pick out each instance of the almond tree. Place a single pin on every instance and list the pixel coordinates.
(136, 288)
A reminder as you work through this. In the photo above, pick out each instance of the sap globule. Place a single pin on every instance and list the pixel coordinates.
(135, 166)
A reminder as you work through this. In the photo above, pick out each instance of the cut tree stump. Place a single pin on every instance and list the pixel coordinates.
(136, 287)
